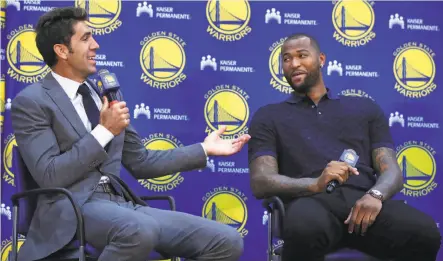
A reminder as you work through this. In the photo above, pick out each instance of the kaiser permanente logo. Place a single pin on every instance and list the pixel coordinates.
(398, 119)
(352, 70)
(227, 205)
(29, 5)
(353, 22)
(418, 166)
(162, 59)
(142, 111)
(102, 15)
(273, 16)
(397, 21)
(162, 141)
(228, 20)
(146, 9)
(227, 105)
(414, 70)
(209, 62)
(26, 64)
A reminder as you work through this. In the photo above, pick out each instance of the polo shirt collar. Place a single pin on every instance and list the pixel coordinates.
(294, 98)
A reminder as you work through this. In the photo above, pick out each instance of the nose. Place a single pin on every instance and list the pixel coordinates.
(295, 63)
(94, 45)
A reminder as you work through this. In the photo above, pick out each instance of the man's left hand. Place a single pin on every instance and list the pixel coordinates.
(363, 214)
(216, 146)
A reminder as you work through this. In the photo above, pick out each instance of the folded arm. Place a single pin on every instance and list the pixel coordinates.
(38, 145)
(266, 182)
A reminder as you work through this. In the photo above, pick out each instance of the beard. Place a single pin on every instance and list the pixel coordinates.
(310, 80)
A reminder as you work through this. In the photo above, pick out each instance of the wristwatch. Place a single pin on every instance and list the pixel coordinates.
(376, 194)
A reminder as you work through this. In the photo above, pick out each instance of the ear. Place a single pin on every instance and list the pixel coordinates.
(61, 51)
(322, 59)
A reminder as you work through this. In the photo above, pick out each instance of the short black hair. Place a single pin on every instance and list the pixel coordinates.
(314, 42)
(56, 27)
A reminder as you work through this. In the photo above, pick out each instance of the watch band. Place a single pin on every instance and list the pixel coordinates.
(376, 194)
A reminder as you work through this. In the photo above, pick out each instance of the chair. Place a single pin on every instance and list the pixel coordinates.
(28, 192)
(276, 212)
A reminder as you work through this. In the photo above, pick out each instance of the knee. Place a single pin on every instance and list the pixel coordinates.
(427, 236)
(233, 242)
(136, 236)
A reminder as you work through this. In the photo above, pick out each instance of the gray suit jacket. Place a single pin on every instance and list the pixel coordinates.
(60, 152)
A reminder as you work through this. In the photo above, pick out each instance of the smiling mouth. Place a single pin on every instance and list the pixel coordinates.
(91, 58)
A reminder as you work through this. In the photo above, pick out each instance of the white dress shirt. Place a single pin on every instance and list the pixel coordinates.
(100, 133)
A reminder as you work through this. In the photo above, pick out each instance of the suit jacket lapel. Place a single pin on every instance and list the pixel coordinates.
(61, 99)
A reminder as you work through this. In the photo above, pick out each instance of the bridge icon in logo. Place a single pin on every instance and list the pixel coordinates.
(162, 58)
(101, 13)
(418, 167)
(23, 56)
(276, 66)
(227, 208)
(228, 108)
(414, 69)
(353, 19)
(228, 17)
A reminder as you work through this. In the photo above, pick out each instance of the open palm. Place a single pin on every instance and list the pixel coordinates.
(216, 146)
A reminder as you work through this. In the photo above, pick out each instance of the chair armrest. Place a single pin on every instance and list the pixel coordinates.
(275, 206)
(170, 200)
(46, 191)
(274, 203)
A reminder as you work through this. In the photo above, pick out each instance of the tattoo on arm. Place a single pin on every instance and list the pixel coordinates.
(390, 179)
(266, 182)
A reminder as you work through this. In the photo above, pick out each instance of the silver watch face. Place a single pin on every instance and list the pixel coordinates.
(376, 192)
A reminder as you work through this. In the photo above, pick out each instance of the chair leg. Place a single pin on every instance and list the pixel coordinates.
(270, 245)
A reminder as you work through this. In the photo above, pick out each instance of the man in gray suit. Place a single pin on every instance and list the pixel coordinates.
(67, 142)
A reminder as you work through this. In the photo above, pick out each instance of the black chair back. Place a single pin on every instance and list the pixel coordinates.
(24, 182)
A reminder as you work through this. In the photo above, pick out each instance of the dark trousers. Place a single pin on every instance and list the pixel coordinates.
(314, 226)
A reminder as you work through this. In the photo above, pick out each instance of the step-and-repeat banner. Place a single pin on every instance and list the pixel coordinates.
(187, 67)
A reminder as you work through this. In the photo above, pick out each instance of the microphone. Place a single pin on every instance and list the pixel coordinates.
(109, 85)
(349, 156)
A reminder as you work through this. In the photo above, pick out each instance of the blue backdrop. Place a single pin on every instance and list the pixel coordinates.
(186, 67)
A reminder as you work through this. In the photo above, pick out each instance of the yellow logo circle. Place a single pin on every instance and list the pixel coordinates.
(23, 55)
(414, 68)
(228, 17)
(162, 58)
(162, 144)
(7, 248)
(101, 13)
(8, 156)
(417, 165)
(227, 208)
(353, 20)
(229, 108)
(276, 66)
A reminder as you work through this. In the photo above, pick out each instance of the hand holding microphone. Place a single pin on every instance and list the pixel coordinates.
(114, 114)
(337, 172)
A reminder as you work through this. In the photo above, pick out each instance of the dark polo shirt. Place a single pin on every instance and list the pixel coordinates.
(304, 137)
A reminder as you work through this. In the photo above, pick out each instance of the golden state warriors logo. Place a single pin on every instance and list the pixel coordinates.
(162, 59)
(102, 15)
(355, 93)
(226, 105)
(353, 21)
(25, 61)
(228, 20)
(160, 141)
(418, 167)
(8, 175)
(227, 205)
(414, 70)
(7, 247)
(278, 80)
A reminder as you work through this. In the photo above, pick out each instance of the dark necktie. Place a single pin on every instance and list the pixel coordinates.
(90, 106)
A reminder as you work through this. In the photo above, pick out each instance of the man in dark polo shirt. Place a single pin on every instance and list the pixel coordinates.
(294, 153)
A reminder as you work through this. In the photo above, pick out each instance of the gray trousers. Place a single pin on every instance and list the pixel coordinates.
(127, 231)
